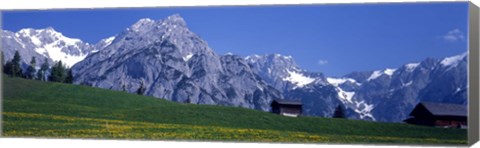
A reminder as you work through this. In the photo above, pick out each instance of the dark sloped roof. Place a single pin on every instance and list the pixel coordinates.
(444, 109)
(288, 102)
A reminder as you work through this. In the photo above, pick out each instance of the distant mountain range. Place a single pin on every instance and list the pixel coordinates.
(171, 62)
(47, 43)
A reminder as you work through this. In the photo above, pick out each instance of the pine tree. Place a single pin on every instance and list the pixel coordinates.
(16, 70)
(43, 70)
(31, 71)
(57, 73)
(69, 78)
(8, 68)
(3, 60)
(4, 65)
(339, 112)
(141, 90)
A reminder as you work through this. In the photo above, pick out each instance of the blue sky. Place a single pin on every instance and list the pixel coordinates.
(333, 39)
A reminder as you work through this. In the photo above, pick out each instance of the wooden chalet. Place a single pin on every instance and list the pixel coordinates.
(290, 108)
(439, 115)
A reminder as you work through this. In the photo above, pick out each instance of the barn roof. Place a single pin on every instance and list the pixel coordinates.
(288, 102)
(444, 109)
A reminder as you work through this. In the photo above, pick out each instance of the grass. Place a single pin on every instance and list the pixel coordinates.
(45, 109)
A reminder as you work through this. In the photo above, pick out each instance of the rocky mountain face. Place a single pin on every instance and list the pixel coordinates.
(172, 62)
(169, 61)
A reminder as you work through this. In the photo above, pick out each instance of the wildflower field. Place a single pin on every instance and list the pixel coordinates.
(54, 110)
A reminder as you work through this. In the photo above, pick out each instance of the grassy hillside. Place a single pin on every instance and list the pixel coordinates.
(45, 109)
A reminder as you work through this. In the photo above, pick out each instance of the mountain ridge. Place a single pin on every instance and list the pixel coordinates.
(46, 43)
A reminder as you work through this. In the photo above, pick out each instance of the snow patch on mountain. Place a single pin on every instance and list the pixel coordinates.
(187, 57)
(345, 96)
(55, 53)
(411, 66)
(35, 40)
(298, 79)
(109, 40)
(374, 75)
(389, 71)
(35, 34)
(364, 110)
(338, 81)
(378, 73)
(453, 60)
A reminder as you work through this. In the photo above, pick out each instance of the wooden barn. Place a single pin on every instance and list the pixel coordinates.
(290, 108)
(439, 115)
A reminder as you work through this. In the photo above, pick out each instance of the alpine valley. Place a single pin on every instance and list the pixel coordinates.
(172, 62)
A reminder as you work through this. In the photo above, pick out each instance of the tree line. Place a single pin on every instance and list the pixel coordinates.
(59, 72)
(339, 112)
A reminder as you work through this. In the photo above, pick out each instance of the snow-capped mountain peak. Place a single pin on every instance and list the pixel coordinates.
(54, 45)
(46, 35)
(47, 43)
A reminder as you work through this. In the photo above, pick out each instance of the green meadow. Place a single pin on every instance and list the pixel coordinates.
(56, 110)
